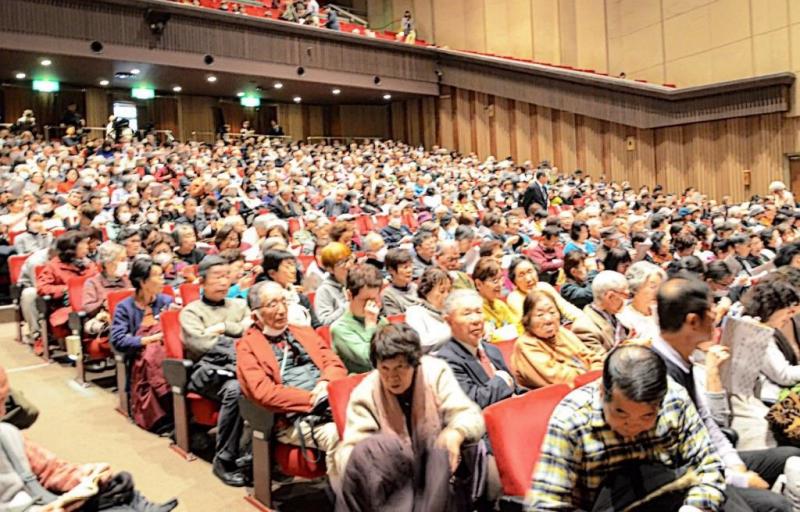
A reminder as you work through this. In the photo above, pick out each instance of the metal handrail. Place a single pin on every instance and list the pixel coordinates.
(348, 15)
(346, 139)
(216, 136)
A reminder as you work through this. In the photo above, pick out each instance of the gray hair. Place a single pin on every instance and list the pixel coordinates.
(181, 230)
(606, 281)
(372, 240)
(256, 292)
(262, 221)
(109, 251)
(638, 274)
(457, 297)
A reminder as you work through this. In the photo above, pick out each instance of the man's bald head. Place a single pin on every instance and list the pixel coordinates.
(680, 297)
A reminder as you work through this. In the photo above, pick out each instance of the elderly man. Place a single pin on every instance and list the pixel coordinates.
(624, 436)
(335, 204)
(375, 251)
(210, 326)
(287, 370)
(395, 232)
(478, 366)
(599, 328)
(186, 249)
(424, 250)
(448, 258)
(352, 332)
(686, 317)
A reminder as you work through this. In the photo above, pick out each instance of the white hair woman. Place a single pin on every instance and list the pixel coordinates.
(113, 261)
(639, 314)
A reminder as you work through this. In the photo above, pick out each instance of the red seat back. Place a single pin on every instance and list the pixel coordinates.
(324, 332)
(190, 292)
(173, 339)
(114, 297)
(305, 260)
(75, 292)
(586, 378)
(381, 221)
(506, 348)
(294, 225)
(396, 319)
(516, 428)
(12, 235)
(15, 263)
(339, 395)
(168, 290)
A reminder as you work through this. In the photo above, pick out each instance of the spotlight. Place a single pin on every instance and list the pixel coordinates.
(336, 92)
(177, 88)
(104, 83)
(46, 62)
(211, 79)
(278, 85)
(297, 99)
(20, 76)
(240, 94)
(135, 71)
(387, 96)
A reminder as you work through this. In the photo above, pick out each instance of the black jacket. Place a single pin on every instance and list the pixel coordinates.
(533, 194)
(472, 377)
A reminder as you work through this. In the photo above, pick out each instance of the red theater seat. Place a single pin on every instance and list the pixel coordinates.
(15, 263)
(339, 395)
(516, 428)
(190, 292)
(586, 378)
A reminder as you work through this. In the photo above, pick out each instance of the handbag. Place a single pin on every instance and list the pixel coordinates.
(784, 417)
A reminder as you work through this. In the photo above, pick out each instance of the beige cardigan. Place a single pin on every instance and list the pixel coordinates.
(537, 364)
(455, 409)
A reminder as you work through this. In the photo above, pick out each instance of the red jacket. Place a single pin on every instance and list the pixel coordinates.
(259, 374)
(548, 260)
(55, 276)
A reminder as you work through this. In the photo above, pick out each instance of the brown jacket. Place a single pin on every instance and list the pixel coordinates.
(594, 331)
(538, 364)
(259, 376)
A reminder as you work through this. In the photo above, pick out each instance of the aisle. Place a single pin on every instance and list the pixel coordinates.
(80, 425)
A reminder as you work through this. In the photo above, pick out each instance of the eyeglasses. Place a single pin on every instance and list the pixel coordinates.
(274, 304)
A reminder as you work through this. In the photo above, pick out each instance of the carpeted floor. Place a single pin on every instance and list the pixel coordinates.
(80, 425)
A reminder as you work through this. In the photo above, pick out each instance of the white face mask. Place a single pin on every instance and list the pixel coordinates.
(152, 218)
(121, 270)
(162, 258)
(269, 331)
(381, 254)
(43, 209)
(124, 218)
(395, 222)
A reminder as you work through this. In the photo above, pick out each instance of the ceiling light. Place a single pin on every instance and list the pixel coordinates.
(211, 79)
(104, 83)
(177, 88)
(135, 71)
(336, 91)
(297, 99)
(20, 76)
(46, 62)
(240, 95)
(387, 96)
(278, 85)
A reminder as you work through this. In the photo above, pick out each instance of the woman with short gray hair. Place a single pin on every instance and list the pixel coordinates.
(639, 315)
(113, 276)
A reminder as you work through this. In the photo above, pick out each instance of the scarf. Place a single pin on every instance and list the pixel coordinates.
(425, 421)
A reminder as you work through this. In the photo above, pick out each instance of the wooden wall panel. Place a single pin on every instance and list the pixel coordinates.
(97, 107)
(363, 120)
(291, 119)
(502, 122)
(414, 122)
(544, 134)
(480, 134)
(197, 115)
(522, 132)
(445, 113)
(463, 121)
(429, 122)
(316, 121)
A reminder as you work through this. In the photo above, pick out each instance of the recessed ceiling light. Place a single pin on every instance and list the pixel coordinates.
(240, 94)
(20, 76)
(297, 99)
(135, 71)
(46, 62)
(387, 96)
(211, 78)
(336, 91)
(104, 83)
(177, 88)
(278, 85)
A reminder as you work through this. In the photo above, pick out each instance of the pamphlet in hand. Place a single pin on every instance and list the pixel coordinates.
(747, 340)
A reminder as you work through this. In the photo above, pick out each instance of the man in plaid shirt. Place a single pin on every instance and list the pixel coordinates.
(633, 416)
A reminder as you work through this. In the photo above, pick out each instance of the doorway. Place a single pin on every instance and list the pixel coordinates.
(794, 174)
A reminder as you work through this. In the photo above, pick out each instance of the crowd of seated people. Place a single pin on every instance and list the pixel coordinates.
(455, 285)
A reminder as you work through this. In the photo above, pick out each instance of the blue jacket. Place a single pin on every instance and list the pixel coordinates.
(126, 322)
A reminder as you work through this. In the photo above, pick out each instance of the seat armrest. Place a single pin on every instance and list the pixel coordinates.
(75, 321)
(731, 434)
(177, 371)
(259, 418)
(15, 290)
(511, 503)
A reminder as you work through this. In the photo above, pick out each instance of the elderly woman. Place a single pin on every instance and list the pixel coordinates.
(131, 239)
(71, 261)
(35, 236)
(501, 322)
(186, 251)
(425, 317)
(113, 276)
(227, 238)
(281, 267)
(548, 353)
(639, 315)
(330, 302)
(775, 301)
(409, 409)
(120, 220)
(577, 290)
(159, 247)
(136, 332)
(525, 277)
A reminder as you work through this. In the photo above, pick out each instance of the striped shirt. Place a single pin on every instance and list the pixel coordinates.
(580, 451)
